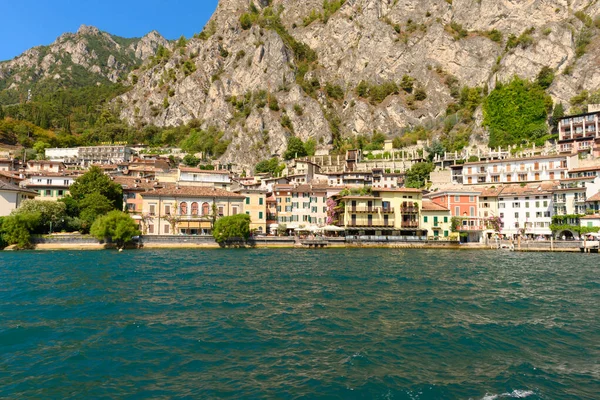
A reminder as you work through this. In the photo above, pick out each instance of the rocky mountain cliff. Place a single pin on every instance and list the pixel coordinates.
(265, 70)
(87, 57)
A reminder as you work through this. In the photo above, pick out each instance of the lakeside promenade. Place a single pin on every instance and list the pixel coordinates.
(70, 242)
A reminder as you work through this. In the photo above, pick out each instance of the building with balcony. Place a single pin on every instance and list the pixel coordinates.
(463, 205)
(572, 194)
(513, 170)
(579, 133)
(393, 212)
(187, 210)
(199, 177)
(526, 210)
(108, 154)
(64, 155)
(34, 166)
(283, 207)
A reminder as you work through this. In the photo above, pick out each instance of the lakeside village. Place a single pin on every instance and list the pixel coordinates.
(473, 197)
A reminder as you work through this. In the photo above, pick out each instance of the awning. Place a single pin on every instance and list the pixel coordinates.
(333, 228)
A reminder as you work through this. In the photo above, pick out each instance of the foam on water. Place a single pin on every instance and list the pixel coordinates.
(515, 394)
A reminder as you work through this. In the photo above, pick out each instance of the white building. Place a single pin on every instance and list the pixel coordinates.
(109, 154)
(65, 155)
(571, 197)
(11, 197)
(49, 186)
(532, 169)
(200, 177)
(526, 210)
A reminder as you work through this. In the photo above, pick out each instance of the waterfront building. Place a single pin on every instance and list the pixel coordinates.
(436, 220)
(283, 199)
(488, 202)
(571, 196)
(513, 170)
(11, 197)
(387, 212)
(190, 210)
(272, 223)
(526, 210)
(146, 169)
(593, 203)
(463, 206)
(50, 186)
(585, 172)
(590, 221)
(255, 205)
(132, 190)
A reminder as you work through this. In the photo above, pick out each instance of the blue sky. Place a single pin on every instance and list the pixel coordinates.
(29, 23)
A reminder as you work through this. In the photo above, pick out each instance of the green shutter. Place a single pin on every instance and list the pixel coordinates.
(260, 215)
(260, 201)
(425, 219)
(247, 200)
(445, 233)
(445, 219)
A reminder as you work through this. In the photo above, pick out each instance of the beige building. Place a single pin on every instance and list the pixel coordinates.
(186, 210)
(255, 205)
(393, 212)
(436, 220)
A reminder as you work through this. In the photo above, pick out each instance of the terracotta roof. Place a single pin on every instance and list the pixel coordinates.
(583, 178)
(14, 188)
(584, 169)
(429, 205)
(531, 189)
(310, 188)
(595, 216)
(12, 176)
(192, 191)
(491, 192)
(399, 190)
(130, 183)
(595, 197)
(203, 171)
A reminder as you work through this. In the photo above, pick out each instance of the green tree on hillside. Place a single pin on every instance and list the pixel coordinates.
(515, 112)
(295, 149)
(417, 175)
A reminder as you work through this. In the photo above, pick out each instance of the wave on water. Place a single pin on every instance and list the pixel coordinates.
(515, 394)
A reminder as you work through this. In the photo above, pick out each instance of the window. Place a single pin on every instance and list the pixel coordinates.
(445, 233)
(49, 181)
(61, 192)
(516, 204)
(260, 201)
(471, 199)
(527, 215)
(48, 193)
(516, 215)
(545, 204)
(167, 228)
(150, 228)
(538, 214)
(472, 211)
(66, 182)
(425, 219)
(445, 219)
(526, 204)
(152, 209)
(537, 204)
(183, 208)
(457, 198)
(260, 215)
(167, 209)
(195, 208)
(457, 211)
(221, 211)
(247, 200)
(234, 210)
(501, 205)
(205, 208)
(501, 215)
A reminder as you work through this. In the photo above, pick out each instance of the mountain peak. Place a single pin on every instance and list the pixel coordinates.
(88, 30)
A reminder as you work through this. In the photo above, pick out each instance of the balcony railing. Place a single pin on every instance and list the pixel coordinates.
(382, 210)
(409, 210)
(410, 224)
(370, 224)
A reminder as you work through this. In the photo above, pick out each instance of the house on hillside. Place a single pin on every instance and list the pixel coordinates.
(11, 197)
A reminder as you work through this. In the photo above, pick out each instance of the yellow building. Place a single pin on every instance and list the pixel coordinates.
(436, 220)
(392, 212)
(255, 205)
(187, 210)
(283, 197)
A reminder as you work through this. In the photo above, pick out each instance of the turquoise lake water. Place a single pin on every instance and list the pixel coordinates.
(299, 324)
